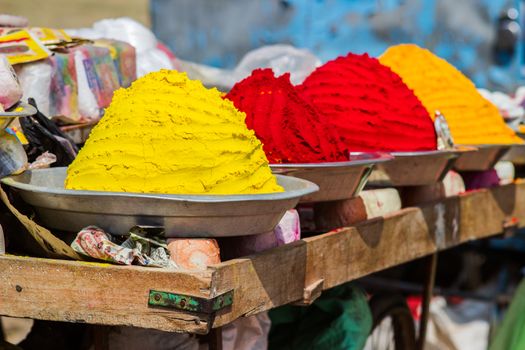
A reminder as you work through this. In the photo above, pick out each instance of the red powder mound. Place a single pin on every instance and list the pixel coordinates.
(370, 105)
(290, 129)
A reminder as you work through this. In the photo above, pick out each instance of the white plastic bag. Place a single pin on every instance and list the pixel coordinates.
(149, 57)
(87, 103)
(10, 90)
(280, 58)
(35, 79)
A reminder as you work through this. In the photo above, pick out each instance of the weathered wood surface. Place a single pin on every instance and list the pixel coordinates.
(96, 293)
(281, 275)
(113, 295)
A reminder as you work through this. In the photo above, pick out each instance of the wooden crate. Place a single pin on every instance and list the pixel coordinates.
(115, 295)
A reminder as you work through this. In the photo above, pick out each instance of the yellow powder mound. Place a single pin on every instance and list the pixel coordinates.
(169, 134)
(473, 120)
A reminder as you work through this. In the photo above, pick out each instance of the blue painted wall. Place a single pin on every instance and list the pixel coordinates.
(219, 32)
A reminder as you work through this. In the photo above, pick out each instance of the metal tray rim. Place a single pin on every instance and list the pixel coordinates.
(495, 145)
(309, 187)
(27, 111)
(376, 157)
(452, 152)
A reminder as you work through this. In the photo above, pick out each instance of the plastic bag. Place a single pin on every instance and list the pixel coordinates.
(43, 135)
(280, 58)
(35, 79)
(13, 158)
(87, 103)
(149, 57)
(10, 90)
(43, 161)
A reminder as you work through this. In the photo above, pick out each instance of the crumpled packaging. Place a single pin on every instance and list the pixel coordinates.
(10, 90)
(95, 243)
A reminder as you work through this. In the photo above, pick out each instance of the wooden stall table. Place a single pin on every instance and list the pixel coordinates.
(197, 302)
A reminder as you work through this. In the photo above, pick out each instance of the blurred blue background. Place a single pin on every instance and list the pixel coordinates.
(480, 37)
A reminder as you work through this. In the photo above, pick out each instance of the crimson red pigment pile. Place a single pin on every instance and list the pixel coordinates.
(290, 129)
(370, 105)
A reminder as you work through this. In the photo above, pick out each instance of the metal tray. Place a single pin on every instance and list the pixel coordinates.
(414, 168)
(336, 180)
(21, 109)
(180, 215)
(516, 154)
(483, 158)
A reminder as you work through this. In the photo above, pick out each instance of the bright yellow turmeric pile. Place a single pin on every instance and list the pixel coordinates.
(473, 120)
(169, 134)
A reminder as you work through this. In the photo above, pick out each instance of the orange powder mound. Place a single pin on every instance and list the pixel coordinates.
(472, 119)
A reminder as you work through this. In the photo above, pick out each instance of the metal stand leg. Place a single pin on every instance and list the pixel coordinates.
(427, 296)
(215, 337)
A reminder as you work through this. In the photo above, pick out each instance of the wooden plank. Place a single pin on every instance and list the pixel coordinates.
(114, 295)
(96, 293)
(279, 276)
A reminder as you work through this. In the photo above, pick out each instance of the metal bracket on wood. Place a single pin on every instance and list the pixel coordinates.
(190, 303)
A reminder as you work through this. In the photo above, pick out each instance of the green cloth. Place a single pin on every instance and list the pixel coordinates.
(339, 319)
(511, 334)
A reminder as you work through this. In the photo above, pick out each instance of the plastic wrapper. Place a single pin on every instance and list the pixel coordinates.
(49, 35)
(101, 73)
(287, 231)
(22, 47)
(289, 228)
(13, 158)
(76, 84)
(453, 184)
(43, 161)
(64, 86)
(506, 172)
(149, 58)
(35, 80)
(124, 58)
(94, 242)
(87, 102)
(43, 135)
(10, 90)
(280, 58)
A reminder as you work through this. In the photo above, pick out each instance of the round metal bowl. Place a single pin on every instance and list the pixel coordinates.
(482, 159)
(21, 109)
(336, 180)
(414, 168)
(180, 215)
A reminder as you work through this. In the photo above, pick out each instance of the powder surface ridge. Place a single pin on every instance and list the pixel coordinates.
(440, 86)
(370, 105)
(290, 128)
(169, 134)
